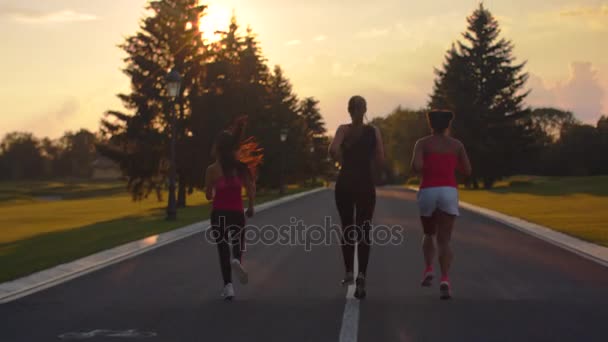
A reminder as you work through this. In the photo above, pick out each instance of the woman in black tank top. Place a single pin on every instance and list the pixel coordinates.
(356, 146)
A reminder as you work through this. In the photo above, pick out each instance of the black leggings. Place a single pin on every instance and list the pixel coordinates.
(228, 229)
(356, 209)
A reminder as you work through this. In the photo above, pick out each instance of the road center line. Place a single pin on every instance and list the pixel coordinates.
(350, 319)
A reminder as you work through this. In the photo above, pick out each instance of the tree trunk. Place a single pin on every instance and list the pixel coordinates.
(475, 184)
(181, 195)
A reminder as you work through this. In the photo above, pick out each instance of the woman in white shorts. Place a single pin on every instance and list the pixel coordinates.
(436, 158)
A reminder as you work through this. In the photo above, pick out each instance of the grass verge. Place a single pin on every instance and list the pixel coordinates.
(576, 206)
(40, 235)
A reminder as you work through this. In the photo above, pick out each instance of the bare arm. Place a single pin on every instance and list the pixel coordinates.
(417, 158)
(463, 160)
(379, 147)
(334, 147)
(250, 188)
(209, 179)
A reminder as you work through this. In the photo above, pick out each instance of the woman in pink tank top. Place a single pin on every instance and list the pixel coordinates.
(224, 182)
(437, 158)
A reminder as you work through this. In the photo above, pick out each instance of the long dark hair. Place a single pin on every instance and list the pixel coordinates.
(226, 147)
(238, 155)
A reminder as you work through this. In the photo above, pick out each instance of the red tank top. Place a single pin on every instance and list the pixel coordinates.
(228, 194)
(439, 169)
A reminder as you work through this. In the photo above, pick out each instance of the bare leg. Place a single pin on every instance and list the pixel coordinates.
(429, 225)
(445, 224)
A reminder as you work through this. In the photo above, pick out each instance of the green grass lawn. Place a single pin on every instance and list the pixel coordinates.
(37, 234)
(577, 206)
(33, 191)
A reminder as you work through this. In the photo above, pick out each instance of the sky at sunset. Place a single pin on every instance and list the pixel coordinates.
(61, 65)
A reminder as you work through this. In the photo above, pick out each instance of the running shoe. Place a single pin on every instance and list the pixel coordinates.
(427, 277)
(228, 292)
(349, 279)
(360, 292)
(445, 290)
(240, 272)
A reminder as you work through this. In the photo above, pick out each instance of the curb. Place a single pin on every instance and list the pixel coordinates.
(18, 288)
(588, 250)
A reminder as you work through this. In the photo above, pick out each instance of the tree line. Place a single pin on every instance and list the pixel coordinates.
(23, 156)
(481, 82)
(223, 81)
(560, 144)
(229, 79)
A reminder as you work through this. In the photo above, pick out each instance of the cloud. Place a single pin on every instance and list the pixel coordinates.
(293, 42)
(320, 38)
(57, 120)
(373, 33)
(581, 93)
(340, 70)
(599, 11)
(67, 110)
(35, 16)
(542, 94)
(588, 18)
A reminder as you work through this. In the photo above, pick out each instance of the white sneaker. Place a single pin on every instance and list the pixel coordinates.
(445, 290)
(348, 280)
(427, 278)
(240, 272)
(228, 292)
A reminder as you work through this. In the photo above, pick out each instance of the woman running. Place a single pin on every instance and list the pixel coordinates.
(355, 147)
(224, 181)
(436, 158)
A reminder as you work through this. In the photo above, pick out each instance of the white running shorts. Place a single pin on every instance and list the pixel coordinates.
(444, 198)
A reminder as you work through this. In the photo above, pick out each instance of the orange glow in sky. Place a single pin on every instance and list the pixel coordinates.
(216, 18)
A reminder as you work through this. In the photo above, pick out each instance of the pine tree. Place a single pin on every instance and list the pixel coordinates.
(310, 112)
(169, 38)
(315, 130)
(281, 112)
(234, 79)
(483, 85)
(223, 81)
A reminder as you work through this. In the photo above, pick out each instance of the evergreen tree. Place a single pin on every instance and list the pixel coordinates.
(223, 82)
(310, 112)
(315, 130)
(169, 38)
(281, 112)
(234, 80)
(483, 85)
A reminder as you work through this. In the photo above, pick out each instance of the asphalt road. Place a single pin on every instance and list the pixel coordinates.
(507, 286)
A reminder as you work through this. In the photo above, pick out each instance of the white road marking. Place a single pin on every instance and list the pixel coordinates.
(131, 333)
(350, 319)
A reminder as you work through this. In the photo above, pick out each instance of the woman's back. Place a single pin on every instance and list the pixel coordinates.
(358, 150)
(440, 156)
(228, 191)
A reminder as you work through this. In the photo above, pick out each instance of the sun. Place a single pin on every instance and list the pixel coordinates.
(216, 18)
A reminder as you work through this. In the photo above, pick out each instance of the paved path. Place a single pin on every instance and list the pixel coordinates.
(507, 287)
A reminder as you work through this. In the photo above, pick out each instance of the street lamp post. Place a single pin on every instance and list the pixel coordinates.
(312, 165)
(174, 84)
(284, 133)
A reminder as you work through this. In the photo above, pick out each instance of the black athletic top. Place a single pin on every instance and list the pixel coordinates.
(357, 155)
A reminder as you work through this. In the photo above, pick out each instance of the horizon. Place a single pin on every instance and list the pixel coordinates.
(65, 52)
